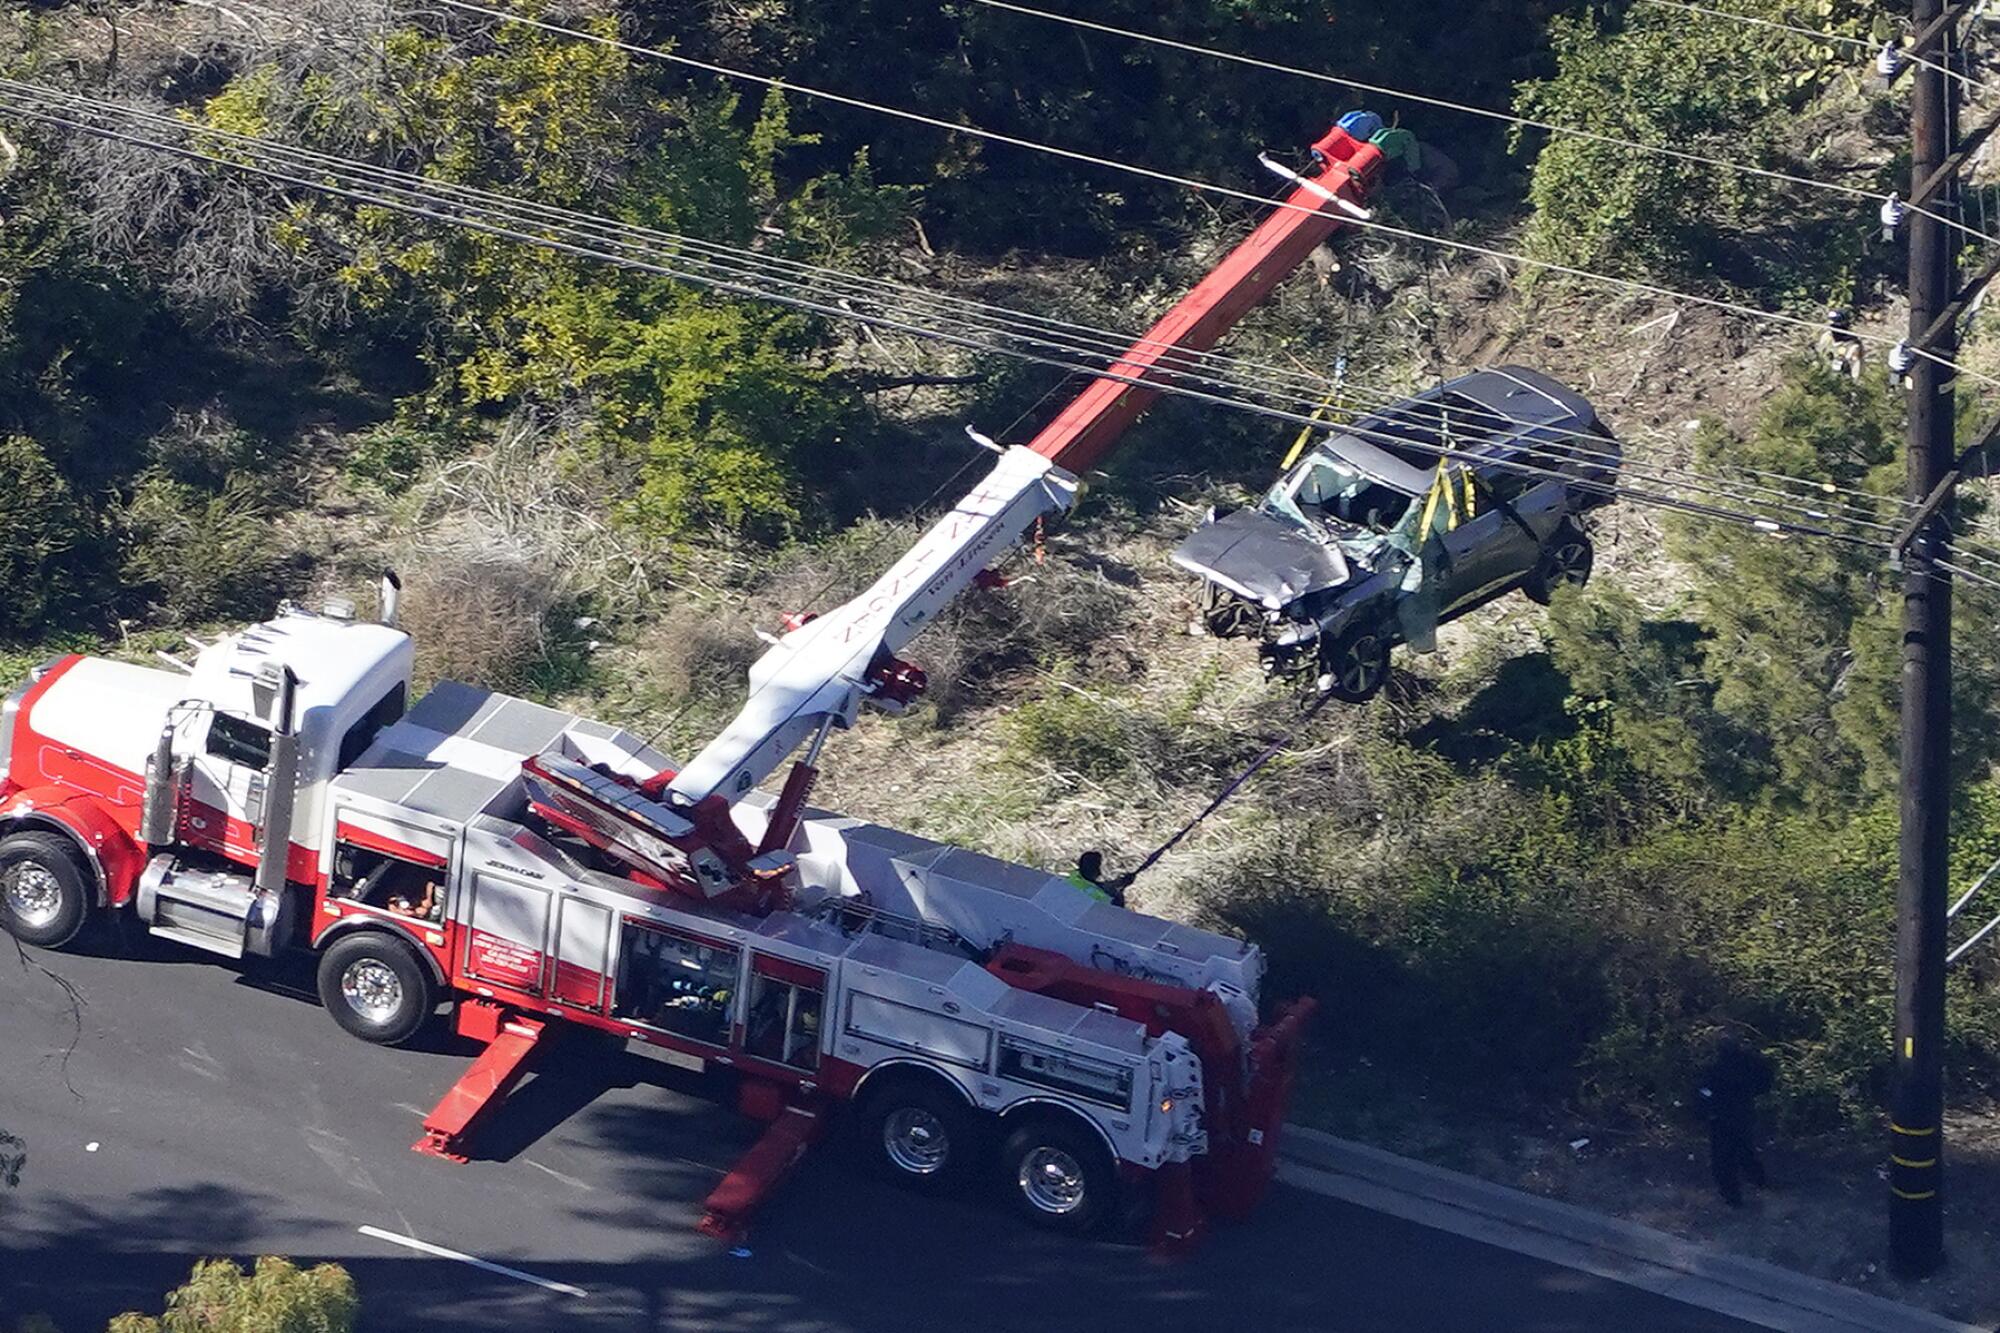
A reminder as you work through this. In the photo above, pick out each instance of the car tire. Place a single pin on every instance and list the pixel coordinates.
(918, 1134)
(376, 987)
(1354, 665)
(45, 889)
(1058, 1176)
(1567, 559)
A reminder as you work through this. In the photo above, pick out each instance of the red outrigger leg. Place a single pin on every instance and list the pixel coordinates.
(510, 1042)
(758, 1173)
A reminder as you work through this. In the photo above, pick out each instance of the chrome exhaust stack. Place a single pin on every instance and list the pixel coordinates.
(160, 814)
(275, 692)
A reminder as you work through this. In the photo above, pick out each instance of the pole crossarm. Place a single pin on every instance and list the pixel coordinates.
(1961, 301)
(1950, 168)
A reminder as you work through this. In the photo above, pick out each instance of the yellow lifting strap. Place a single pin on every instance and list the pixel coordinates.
(1447, 490)
(1306, 432)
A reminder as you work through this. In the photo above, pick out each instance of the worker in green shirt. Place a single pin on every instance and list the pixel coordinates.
(1089, 876)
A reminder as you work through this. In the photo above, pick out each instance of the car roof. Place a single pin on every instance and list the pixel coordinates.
(1498, 407)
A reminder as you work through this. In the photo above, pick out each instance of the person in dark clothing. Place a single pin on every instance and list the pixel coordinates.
(1730, 1087)
(1090, 878)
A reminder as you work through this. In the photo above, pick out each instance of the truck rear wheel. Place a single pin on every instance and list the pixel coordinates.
(918, 1134)
(45, 889)
(1059, 1176)
(376, 987)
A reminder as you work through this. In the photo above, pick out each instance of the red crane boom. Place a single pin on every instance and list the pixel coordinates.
(1345, 169)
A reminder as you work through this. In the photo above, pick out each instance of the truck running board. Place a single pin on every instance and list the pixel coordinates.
(492, 1076)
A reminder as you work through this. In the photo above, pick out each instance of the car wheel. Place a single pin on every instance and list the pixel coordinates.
(917, 1134)
(45, 891)
(1567, 560)
(1355, 665)
(376, 987)
(1058, 1176)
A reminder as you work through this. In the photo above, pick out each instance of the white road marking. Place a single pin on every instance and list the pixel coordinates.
(440, 1252)
(571, 1181)
(91, 1146)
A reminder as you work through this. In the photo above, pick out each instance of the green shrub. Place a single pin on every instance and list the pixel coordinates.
(202, 556)
(277, 1296)
(45, 536)
(1074, 733)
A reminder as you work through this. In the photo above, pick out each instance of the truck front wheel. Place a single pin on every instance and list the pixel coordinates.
(45, 891)
(376, 987)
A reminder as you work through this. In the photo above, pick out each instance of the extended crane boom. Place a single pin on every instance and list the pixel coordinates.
(816, 676)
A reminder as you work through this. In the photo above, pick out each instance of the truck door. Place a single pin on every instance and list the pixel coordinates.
(227, 785)
(784, 1021)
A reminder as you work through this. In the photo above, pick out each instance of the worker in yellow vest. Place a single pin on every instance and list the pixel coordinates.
(1089, 876)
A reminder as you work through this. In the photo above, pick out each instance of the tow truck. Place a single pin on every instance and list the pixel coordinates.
(536, 871)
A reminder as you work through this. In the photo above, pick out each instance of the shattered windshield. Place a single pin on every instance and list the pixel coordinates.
(1329, 492)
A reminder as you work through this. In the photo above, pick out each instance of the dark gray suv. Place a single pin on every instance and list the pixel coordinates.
(1402, 520)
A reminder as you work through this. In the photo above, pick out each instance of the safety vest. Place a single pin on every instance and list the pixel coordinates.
(1094, 890)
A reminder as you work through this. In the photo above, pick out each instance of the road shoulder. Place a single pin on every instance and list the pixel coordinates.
(1560, 1233)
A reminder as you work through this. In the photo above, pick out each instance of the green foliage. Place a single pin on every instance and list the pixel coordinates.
(1685, 83)
(202, 555)
(275, 1297)
(41, 528)
(1072, 732)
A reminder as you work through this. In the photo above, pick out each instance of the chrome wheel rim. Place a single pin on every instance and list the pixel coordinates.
(1052, 1180)
(916, 1141)
(34, 895)
(372, 989)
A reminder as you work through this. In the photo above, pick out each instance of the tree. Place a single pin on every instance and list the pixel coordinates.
(275, 1297)
(1655, 77)
(42, 528)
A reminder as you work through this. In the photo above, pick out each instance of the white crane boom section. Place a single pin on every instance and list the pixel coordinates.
(818, 674)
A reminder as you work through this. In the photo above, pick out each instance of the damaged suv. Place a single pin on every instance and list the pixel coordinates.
(1405, 519)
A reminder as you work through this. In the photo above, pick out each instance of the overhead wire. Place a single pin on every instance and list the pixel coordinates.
(1186, 182)
(1111, 347)
(1463, 108)
(370, 193)
(729, 280)
(1816, 34)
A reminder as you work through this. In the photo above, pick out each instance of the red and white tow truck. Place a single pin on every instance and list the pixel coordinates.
(530, 867)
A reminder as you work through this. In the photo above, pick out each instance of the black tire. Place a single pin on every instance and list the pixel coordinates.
(1567, 559)
(45, 889)
(917, 1133)
(1354, 666)
(376, 987)
(1057, 1175)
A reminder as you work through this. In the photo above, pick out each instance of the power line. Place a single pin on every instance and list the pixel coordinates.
(1422, 238)
(368, 192)
(1111, 348)
(1445, 104)
(1816, 34)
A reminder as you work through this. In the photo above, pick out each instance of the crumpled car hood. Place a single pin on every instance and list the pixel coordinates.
(1262, 557)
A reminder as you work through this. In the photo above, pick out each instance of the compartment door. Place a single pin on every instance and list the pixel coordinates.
(583, 954)
(506, 944)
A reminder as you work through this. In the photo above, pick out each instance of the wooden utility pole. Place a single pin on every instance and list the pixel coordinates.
(1916, 1121)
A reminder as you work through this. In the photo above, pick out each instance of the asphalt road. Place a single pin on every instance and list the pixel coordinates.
(189, 1108)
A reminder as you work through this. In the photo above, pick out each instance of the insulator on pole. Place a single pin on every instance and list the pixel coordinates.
(1890, 61)
(1901, 358)
(1894, 210)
